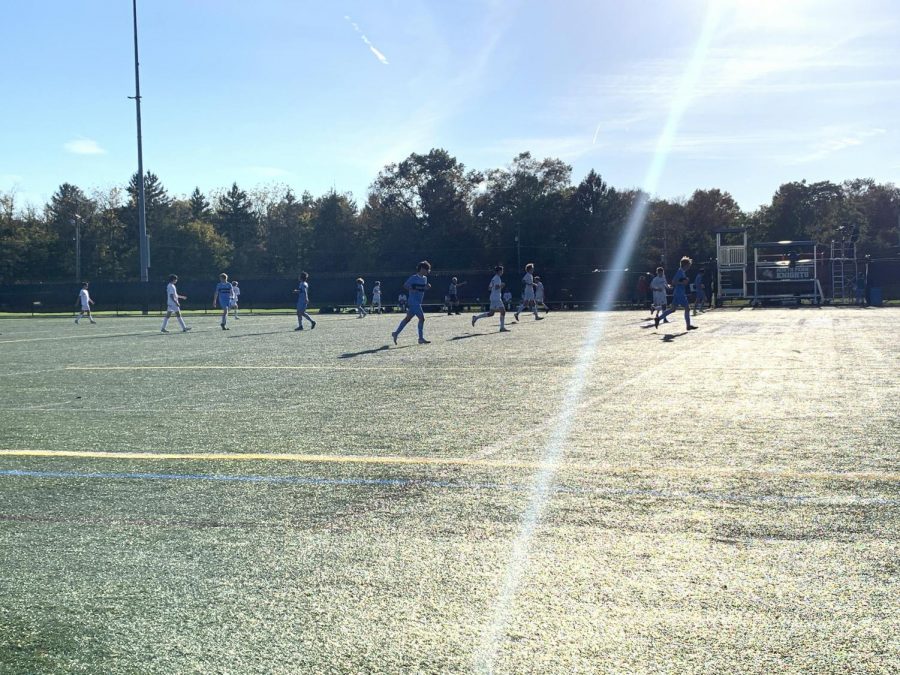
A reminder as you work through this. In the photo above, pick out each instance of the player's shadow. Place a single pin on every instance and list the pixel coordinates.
(383, 348)
(670, 337)
(243, 335)
(466, 337)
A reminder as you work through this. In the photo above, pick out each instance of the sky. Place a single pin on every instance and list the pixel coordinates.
(322, 95)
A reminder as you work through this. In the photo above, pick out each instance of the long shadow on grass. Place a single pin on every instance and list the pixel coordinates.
(271, 332)
(466, 337)
(670, 337)
(383, 348)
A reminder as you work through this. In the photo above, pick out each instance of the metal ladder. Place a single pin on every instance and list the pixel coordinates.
(843, 253)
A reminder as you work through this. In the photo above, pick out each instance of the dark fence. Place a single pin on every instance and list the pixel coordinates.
(333, 291)
(327, 292)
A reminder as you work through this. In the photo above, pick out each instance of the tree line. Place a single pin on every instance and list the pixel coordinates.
(428, 205)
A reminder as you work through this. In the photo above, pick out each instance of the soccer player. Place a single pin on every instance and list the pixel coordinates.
(528, 293)
(223, 295)
(376, 298)
(539, 294)
(680, 283)
(302, 292)
(453, 297)
(496, 300)
(235, 296)
(417, 284)
(84, 299)
(659, 286)
(507, 299)
(173, 305)
(699, 292)
(361, 298)
(401, 302)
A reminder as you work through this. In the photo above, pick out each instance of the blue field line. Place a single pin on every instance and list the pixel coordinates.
(813, 500)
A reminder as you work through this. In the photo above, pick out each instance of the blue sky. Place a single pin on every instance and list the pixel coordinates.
(317, 95)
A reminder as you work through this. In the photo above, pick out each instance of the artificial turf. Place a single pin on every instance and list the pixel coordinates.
(721, 501)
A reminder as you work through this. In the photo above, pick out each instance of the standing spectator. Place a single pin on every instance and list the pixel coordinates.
(643, 287)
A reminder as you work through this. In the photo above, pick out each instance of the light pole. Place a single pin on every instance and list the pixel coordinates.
(76, 221)
(142, 217)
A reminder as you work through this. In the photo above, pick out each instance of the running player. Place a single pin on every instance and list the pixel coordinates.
(361, 298)
(222, 295)
(453, 297)
(699, 292)
(417, 284)
(659, 286)
(84, 299)
(528, 293)
(235, 296)
(376, 298)
(173, 305)
(539, 295)
(496, 299)
(680, 283)
(302, 292)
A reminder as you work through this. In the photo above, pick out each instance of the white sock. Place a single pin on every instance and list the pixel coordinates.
(165, 323)
(181, 322)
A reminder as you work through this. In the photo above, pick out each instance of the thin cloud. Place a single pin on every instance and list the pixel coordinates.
(84, 146)
(378, 55)
(835, 140)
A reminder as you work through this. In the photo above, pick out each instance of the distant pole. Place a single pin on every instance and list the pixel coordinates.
(142, 216)
(518, 248)
(76, 221)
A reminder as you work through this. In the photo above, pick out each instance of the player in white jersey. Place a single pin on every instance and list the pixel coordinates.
(376, 298)
(235, 296)
(495, 288)
(173, 306)
(401, 302)
(659, 286)
(539, 294)
(84, 300)
(507, 299)
(528, 293)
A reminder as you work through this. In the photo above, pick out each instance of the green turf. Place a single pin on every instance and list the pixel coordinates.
(727, 500)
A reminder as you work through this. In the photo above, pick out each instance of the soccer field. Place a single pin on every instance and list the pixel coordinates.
(263, 500)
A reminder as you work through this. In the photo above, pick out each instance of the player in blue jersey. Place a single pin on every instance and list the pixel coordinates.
(361, 298)
(223, 295)
(302, 292)
(680, 283)
(699, 292)
(416, 285)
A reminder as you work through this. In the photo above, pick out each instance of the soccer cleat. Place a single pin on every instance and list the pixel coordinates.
(693, 327)
(313, 325)
(474, 319)
(76, 322)
(423, 341)
(224, 327)
(394, 335)
(163, 330)
(505, 330)
(656, 322)
(666, 321)
(517, 316)
(184, 330)
(298, 328)
(538, 318)
(92, 321)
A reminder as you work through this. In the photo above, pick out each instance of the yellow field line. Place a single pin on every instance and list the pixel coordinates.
(450, 461)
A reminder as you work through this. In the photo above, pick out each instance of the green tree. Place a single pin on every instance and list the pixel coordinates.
(235, 221)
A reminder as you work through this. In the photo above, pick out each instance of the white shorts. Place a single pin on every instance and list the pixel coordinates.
(85, 308)
(659, 300)
(539, 298)
(528, 295)
(173, 308)
(497, 304)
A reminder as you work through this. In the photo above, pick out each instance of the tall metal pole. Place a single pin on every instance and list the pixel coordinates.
(142, 216)
(77, 222)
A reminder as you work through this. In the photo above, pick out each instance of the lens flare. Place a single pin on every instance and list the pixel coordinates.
(492, 638)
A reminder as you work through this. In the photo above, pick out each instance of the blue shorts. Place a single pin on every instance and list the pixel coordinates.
(416, 310)
(225, 303)
(301, 306)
